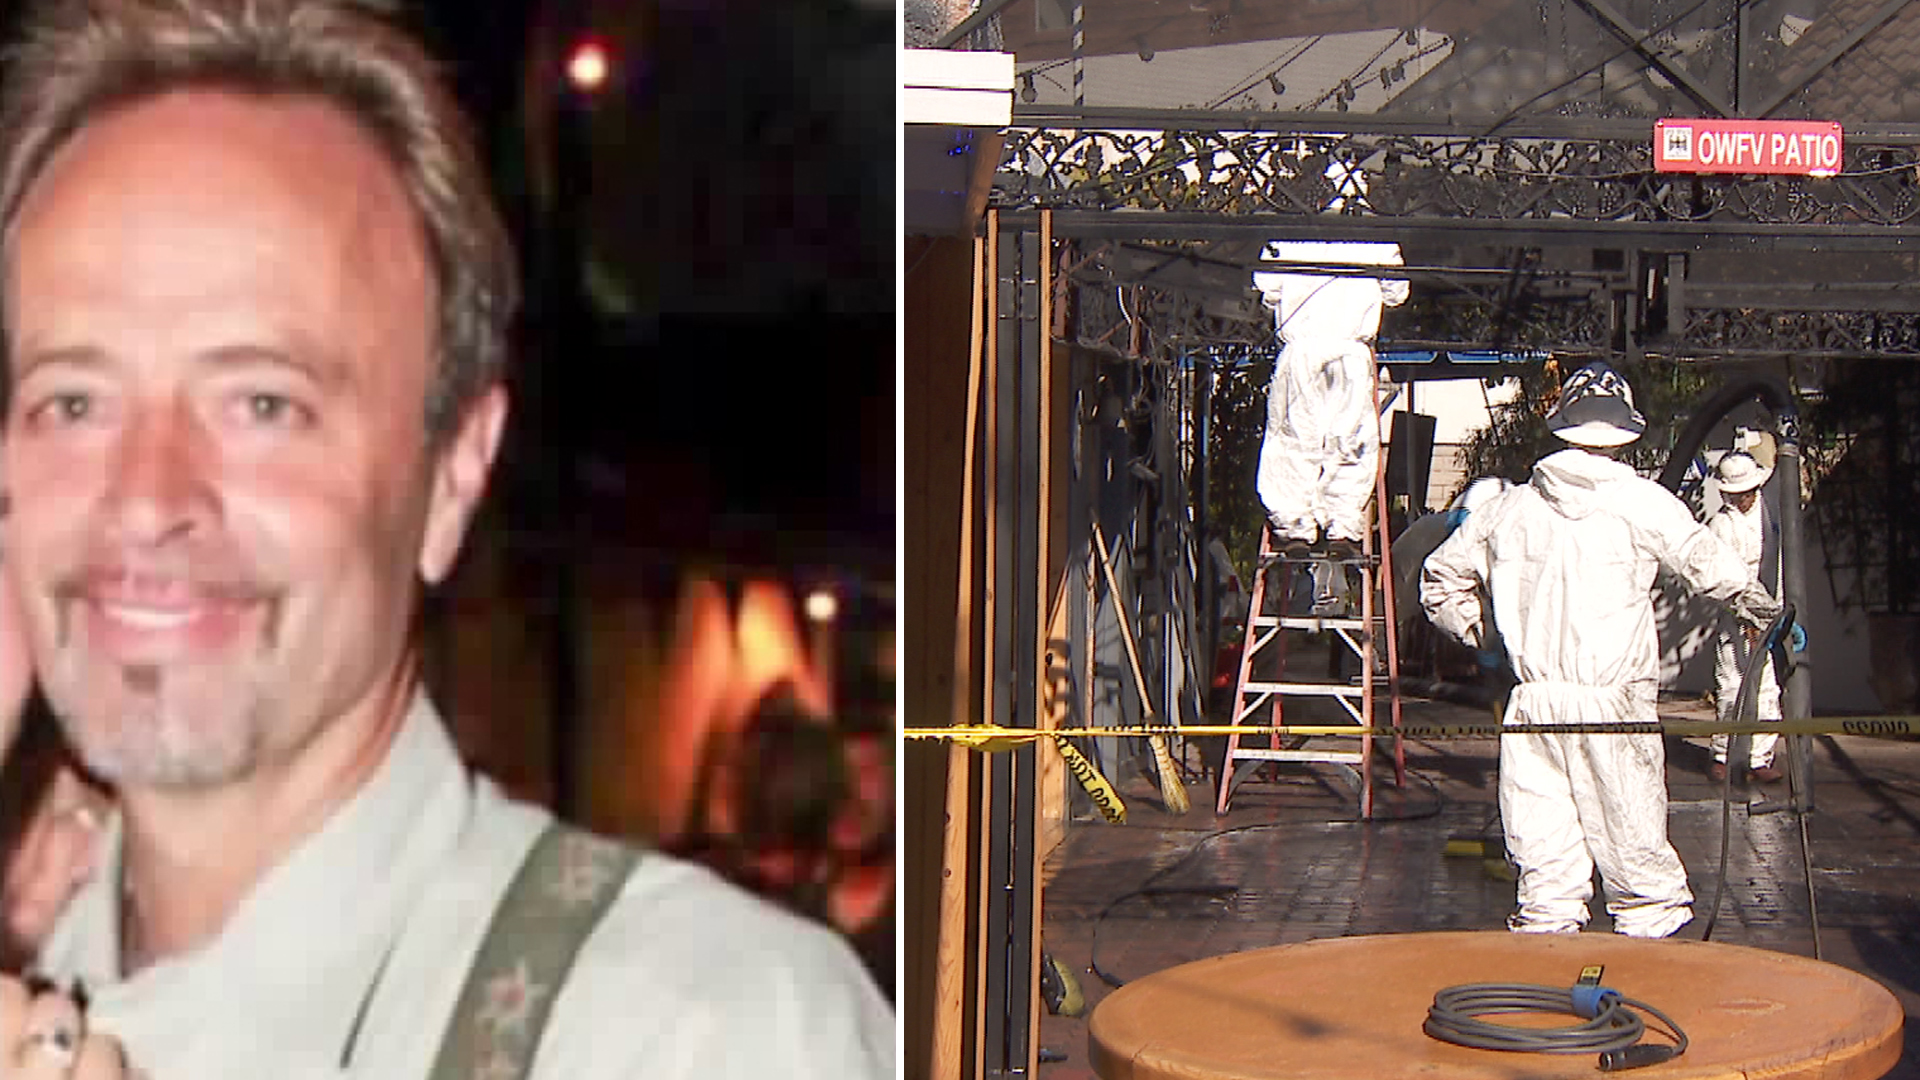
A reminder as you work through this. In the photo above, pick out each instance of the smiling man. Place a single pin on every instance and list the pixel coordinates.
(256, 299)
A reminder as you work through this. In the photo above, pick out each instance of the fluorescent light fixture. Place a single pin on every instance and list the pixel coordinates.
(967, 89)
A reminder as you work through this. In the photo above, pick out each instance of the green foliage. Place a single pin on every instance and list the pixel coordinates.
(1239, 422)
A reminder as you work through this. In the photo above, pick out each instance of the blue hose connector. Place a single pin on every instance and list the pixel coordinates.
(1591, 1001)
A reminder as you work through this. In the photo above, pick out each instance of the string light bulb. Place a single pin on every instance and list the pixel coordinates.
(588, 66)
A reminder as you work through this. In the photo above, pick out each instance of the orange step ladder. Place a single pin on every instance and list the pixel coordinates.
(1267, 632)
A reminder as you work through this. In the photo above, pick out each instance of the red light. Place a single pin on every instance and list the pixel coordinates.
(588, 66)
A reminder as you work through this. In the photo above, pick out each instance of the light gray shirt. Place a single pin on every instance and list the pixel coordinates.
(385, 906)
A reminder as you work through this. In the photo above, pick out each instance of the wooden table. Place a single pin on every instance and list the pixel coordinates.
(1352, 1007)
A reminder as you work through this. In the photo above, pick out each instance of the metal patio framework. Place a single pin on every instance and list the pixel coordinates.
(1132, 233)
(1166, 227)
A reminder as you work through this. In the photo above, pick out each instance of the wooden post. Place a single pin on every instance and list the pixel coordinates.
(953, 1009)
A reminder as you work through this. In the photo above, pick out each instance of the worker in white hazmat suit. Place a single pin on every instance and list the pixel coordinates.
(1744, 524)
(1425, 533)
(1322, 444)
(1566, 563)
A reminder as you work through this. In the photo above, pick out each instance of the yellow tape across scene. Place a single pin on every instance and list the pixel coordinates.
(993, 738)
(1097, 787)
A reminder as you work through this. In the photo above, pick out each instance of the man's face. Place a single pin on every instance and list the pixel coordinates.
(1743, 500)
(222, 490)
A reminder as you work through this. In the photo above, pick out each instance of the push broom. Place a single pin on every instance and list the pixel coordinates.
(1172, 792)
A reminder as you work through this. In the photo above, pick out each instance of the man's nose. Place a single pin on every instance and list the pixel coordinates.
(160, 484)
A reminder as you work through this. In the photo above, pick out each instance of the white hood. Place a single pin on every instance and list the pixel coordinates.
(1576, 482)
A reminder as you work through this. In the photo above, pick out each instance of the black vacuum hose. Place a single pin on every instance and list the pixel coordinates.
(1778, 398)
(1707, 415)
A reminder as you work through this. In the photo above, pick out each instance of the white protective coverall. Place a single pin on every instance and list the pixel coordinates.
(1751, 533)
(1322, 442)
(1569, 561)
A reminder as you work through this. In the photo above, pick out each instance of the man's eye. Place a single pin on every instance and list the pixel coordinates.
(64, 408)
(262, 408)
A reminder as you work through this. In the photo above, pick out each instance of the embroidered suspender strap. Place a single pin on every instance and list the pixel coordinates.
(566, 884)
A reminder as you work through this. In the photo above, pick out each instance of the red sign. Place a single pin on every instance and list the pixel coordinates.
(1786, 147)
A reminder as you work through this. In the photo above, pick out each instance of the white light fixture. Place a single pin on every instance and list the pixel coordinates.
(958, 87)
(822, 606)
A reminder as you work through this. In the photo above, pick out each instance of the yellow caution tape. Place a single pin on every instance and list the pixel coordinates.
(985, 737)
(994, 738)
(1097, 787)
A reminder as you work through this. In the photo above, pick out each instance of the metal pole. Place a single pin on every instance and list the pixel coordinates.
(1412, 474)
(1079, 56)
(1012, 972)
(1079, 583)
(1796, 700)
(1208, 584)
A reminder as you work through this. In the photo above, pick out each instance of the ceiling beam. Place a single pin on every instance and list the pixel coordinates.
(1518, 232)
(1635, 38)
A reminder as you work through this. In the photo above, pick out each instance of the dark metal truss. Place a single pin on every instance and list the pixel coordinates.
(1130, 314)
(1147, 321)
(1121, 309)
(1149, 213)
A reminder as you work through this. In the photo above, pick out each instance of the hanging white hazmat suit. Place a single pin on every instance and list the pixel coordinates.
(1568, 561)
(1322, 443)
(1753, 534)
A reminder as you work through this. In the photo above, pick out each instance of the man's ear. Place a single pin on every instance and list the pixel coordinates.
(460, 470)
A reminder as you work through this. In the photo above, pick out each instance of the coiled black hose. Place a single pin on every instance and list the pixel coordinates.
(1612, 1028)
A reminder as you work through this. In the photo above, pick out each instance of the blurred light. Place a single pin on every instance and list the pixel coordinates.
(588, 66)
(822, 605)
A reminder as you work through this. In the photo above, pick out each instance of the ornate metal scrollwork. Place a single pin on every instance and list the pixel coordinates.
(1442, 177)
(1811, 334)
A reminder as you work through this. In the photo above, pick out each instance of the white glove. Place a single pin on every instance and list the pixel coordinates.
(1755, 608)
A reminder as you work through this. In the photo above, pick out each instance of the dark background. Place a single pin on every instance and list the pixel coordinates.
(746, 177)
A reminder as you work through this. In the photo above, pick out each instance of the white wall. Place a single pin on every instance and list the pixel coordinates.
(1837, 649)
(1459, 406)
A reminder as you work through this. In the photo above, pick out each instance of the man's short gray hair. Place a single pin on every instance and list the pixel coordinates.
(80, 59)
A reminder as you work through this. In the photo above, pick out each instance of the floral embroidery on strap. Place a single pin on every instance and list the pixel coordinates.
(566, 884)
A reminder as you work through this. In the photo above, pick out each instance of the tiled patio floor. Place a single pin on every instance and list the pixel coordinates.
(1291, 862)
